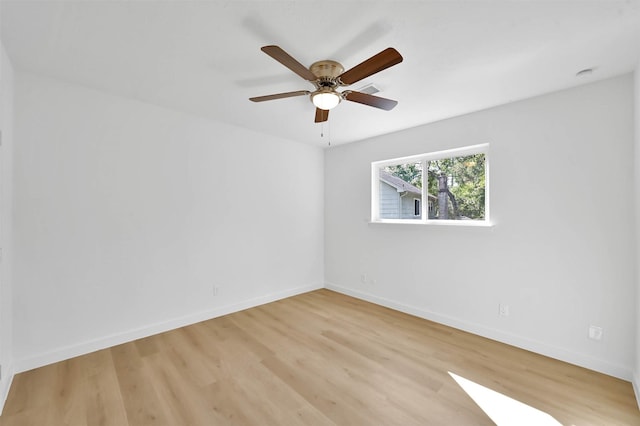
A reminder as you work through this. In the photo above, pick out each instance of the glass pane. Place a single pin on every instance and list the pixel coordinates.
(400, 191)
(458, 188)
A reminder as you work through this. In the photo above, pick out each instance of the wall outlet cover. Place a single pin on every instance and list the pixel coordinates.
(595, 332)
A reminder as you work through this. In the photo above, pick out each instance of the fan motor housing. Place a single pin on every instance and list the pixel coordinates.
(326, 69)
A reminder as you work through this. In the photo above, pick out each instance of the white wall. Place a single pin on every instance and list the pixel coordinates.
(6, 205)
(127, 215)
(561, 253)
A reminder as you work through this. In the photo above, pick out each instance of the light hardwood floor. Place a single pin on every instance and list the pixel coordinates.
(320, 358)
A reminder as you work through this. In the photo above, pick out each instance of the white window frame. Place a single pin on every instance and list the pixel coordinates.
(376, 166)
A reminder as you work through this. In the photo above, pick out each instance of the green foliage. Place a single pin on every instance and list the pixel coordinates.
(466, 181)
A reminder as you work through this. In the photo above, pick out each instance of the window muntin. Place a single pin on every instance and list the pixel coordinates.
(454, 184)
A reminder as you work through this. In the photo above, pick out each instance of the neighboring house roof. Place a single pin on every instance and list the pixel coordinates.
(399, 184)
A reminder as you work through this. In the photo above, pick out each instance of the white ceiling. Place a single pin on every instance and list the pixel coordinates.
(204, 57)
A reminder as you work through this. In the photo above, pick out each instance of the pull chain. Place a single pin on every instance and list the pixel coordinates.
(328, 131)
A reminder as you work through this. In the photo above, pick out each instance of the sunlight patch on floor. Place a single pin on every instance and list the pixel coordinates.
(504, 411)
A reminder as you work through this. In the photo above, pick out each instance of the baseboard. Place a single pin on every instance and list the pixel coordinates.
(63, 353)
(494, 334)
(636, 386)
(92, 345)
(5, 385)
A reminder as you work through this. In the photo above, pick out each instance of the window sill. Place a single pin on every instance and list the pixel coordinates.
(454, 223)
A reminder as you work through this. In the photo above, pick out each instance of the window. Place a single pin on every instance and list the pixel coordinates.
(453, 183)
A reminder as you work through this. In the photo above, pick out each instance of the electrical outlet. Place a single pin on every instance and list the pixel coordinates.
(367, 280)
(503, 310)
(595, 332)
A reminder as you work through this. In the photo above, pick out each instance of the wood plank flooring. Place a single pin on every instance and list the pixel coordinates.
(320, 358)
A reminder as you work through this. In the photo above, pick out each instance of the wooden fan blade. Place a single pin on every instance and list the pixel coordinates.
(383, 60)
(279, 96)
(288, 61)
(367, 99)
(321, 115)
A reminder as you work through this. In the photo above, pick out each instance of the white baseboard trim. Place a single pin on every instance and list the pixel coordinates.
(82, 348)
(636, 386)
(494, 334)
(5, 385)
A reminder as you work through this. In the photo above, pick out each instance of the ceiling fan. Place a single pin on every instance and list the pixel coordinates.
(327, 76)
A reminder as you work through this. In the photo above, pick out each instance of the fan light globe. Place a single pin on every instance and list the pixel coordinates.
(325, 99)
